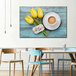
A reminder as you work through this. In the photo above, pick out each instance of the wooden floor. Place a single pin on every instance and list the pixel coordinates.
(45, 73)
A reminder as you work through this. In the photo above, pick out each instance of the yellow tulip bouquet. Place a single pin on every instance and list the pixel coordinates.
(36, 18)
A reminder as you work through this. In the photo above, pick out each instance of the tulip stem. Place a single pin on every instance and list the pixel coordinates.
(40, 20)
(35, 24)
(37, 21)
(44, 32)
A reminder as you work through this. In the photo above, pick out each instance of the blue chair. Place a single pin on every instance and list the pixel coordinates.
(72, 63)
(70, 49)
(63, 59)
(37, 53)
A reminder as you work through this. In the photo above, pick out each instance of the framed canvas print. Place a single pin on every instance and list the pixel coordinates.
(52, 21)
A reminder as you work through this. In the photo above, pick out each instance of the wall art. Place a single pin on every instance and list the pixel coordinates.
(43, 22)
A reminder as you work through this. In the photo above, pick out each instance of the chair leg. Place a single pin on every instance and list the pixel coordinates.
(70, 70)
(9, 69)
(14, 70)
(52, 69)
(58, 67)
(49, 61)
(49, 66)
(27, 70)
(22, 69)
(39, 69)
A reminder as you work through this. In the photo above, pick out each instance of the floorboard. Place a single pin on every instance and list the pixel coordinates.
(45, 73)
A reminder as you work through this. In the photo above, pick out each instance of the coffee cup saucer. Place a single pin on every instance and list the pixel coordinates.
(51, 26)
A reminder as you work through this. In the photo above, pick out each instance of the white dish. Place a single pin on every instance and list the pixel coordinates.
(51, 26)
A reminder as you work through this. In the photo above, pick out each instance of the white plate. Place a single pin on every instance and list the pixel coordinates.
(51, 26)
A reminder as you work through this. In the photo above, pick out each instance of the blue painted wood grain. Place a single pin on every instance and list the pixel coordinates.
(26, 29)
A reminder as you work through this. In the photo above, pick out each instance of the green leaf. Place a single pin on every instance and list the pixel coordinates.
(36, 21)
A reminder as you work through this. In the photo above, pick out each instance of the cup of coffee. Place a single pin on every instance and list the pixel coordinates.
(51, 20)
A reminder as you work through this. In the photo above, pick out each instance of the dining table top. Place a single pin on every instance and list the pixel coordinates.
(55, 50)
(59, 51)
(48, 50)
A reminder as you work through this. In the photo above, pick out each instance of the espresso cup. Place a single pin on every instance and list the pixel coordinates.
(51, 20)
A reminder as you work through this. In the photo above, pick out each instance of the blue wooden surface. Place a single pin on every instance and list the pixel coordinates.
(26, 29)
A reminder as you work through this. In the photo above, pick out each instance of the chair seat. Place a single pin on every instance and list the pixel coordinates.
(12, 61)
(42, 62)
(65, 59)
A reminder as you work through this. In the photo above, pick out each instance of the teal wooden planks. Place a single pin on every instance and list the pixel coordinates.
(26, 29)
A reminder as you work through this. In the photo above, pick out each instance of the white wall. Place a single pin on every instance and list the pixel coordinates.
(11, 38)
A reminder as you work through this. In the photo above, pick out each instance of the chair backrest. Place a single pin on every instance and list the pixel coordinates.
(70, 49)
(35, 52)
(42, 48)
(6, 51)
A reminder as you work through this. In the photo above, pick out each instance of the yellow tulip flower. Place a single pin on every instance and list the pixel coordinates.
(40, 12)
(29, 19)
(33, 13)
